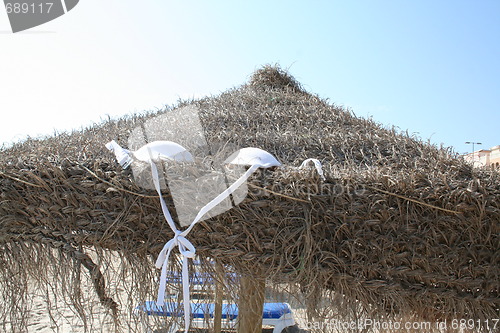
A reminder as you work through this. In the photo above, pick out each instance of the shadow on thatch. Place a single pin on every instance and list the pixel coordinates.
(399, 228)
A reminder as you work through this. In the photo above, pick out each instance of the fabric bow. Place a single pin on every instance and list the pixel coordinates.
(186, 248)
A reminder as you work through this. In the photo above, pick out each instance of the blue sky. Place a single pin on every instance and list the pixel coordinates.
(429, 67)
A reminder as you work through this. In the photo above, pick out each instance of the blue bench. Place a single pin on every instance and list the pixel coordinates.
(278, 315)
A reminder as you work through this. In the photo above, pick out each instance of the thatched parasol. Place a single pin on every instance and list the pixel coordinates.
(399, 227)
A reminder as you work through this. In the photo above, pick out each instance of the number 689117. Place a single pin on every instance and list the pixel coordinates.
(28, 8)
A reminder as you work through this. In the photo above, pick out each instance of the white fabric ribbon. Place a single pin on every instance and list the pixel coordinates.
(187, 251)
(122, 155)
(186, 248)
(317, 164)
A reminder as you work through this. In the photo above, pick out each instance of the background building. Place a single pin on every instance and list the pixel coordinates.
(483, 157)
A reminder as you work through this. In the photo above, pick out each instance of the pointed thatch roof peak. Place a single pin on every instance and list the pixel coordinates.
(273, 77)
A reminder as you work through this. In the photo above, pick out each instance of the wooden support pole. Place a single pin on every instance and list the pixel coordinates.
(251, 305)
(219, 290)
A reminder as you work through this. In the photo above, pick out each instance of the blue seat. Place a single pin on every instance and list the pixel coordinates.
(201, 310)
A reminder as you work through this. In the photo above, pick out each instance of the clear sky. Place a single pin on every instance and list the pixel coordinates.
(429, 67)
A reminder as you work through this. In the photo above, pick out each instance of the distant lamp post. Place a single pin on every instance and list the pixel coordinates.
(473, 143)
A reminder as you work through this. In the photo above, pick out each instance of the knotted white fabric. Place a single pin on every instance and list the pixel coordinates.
(122, 155)
(158, 151)
(163, 150)
(166, 150)
(186, 249)
(250, 156)
(317, 164)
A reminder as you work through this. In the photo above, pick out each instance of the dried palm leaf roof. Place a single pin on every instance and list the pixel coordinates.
(398, 226)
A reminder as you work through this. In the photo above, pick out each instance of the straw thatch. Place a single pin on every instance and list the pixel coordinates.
(398, 228)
